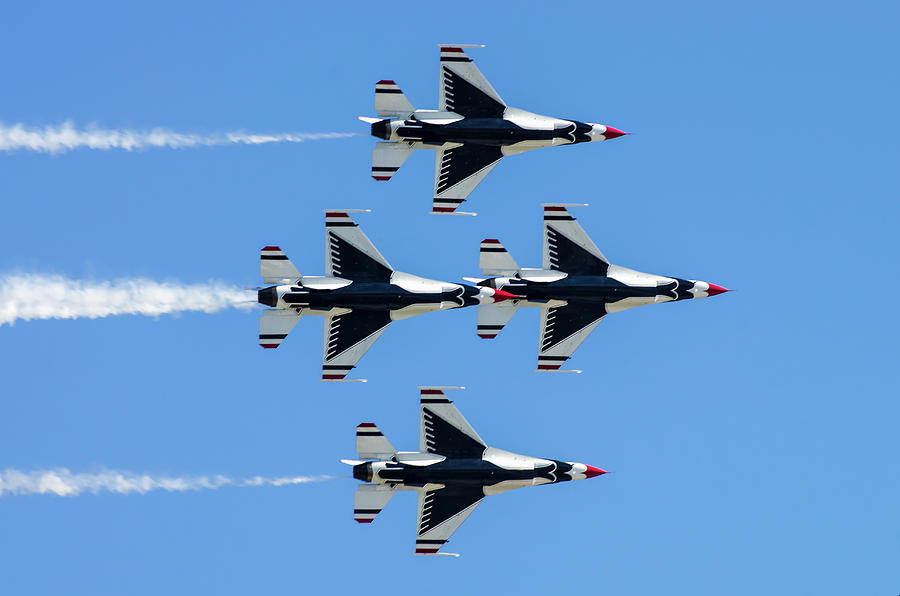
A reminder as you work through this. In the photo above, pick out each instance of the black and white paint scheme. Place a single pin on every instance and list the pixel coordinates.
(471, 130)
(359, 296)
(575, 287)
(452, 471)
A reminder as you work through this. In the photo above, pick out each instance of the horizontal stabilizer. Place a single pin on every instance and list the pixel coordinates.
(274, 326)
(390, 101)
(494, 259)
(387, 159)
(369, 500)
(371, 444)
(493, 317)
(275, 267)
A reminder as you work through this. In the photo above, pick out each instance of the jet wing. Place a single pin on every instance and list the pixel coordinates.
(566, 246)
(349, 253)
(563, 328)
(463, 89)
(442, 429)
(458, 169)
(440, 513)
(348, 335)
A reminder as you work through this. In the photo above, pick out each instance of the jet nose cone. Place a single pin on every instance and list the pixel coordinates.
(500, 296)
(601, 132)
(592, 471)
(715, 290)
(612, 133)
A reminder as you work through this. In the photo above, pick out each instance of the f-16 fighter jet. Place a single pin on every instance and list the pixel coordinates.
(575, 288)
(472, 129)
(359, 296)
(453, 470)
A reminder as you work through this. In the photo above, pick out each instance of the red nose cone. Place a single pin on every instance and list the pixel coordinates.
(500, 296)
(592, 471)
(715, 290)
(612, 133)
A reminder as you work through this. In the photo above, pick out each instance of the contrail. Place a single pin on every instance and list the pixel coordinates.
(65, 137)
(63, 483)
(32, 296)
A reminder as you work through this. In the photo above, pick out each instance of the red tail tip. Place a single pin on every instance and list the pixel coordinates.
(714, 290)
(592, 471)
(613, 133)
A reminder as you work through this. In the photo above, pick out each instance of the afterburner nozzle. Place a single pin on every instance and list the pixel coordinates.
(268, 296)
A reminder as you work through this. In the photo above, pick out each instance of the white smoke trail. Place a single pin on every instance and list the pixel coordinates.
(63, 138)
(63, 483)
(31, 296)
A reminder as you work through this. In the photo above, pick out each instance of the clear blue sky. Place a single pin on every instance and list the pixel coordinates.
(753, 435)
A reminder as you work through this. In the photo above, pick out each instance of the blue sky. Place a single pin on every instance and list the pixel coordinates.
(753, 436)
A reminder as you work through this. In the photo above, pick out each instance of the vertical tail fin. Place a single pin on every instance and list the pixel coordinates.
(371, 444)
(390, 100)
(495, 260)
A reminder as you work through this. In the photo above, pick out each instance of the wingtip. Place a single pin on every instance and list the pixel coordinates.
(471, 213)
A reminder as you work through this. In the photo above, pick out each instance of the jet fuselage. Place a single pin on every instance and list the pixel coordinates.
(515, 127)
(601, 289)
(472, 471)
(368, 296)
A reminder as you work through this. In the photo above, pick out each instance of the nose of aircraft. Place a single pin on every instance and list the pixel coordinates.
(490, 295)
(714, 290)
(592, 471)
(702, 289)
(583, 470)
(600, 132)
(500, 296)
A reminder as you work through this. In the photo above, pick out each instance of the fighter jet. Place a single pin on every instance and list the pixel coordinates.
(359, 296)
(452, 471)
(472, 129)
(575, 288)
